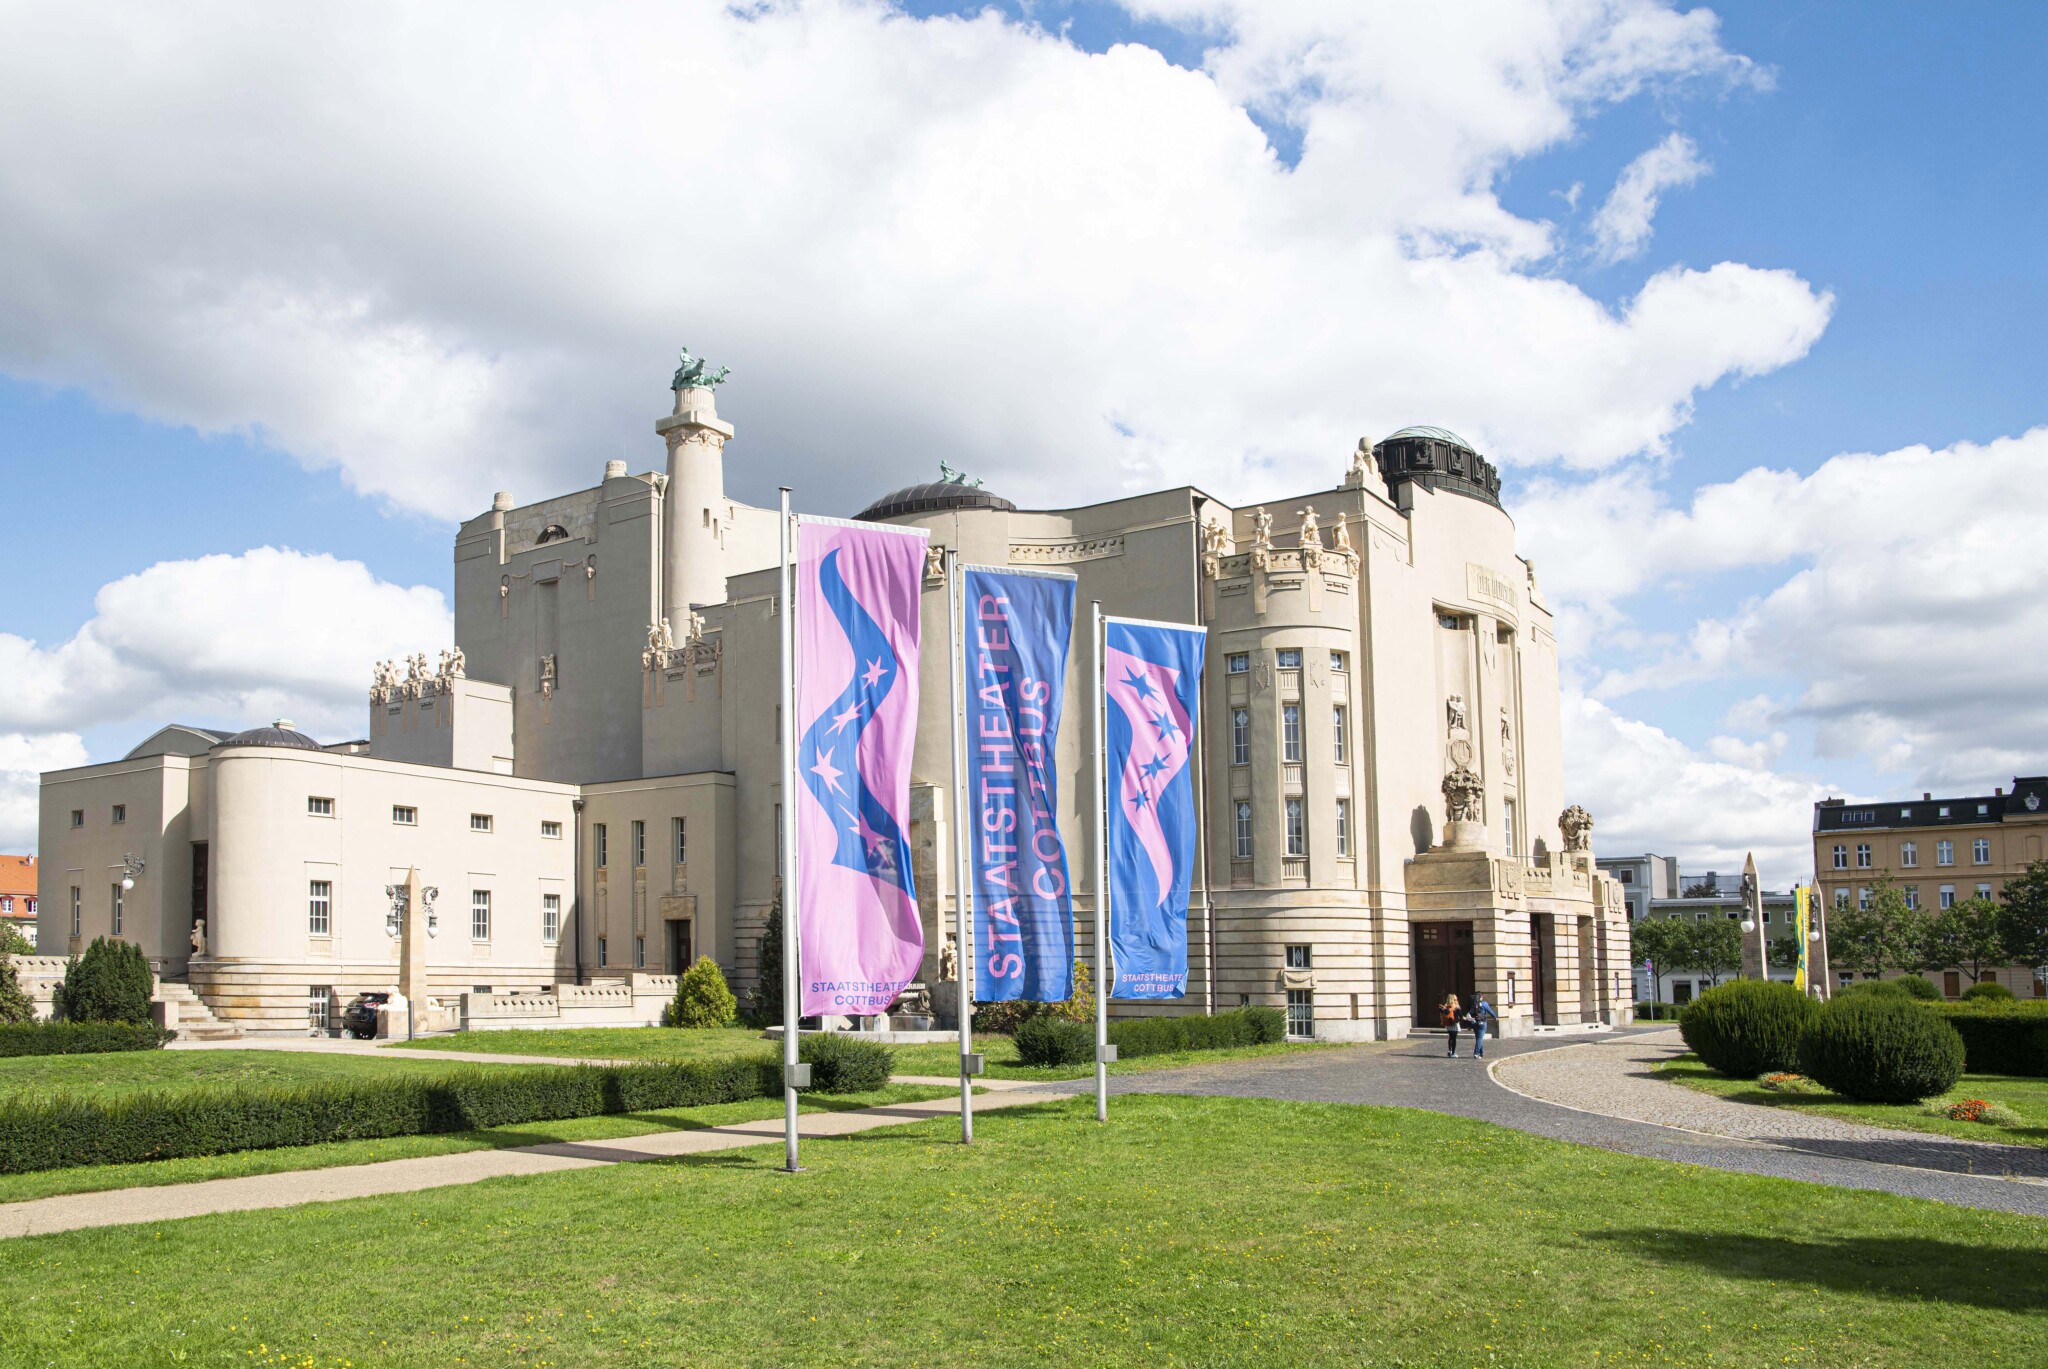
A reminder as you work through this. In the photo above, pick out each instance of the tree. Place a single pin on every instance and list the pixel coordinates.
(702, 999)
(2023, 916)
(1885, 936)
(1784, 951)
(15, 1004)
(12, 942)
(1655, 940)
(1712, 947)
(765, 1002)
(1967, 934)
(111, 982)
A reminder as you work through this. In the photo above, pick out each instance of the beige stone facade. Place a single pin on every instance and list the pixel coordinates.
(615, 677)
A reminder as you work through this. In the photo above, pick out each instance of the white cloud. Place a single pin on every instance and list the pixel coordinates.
(237, 640)
(23, 758)
(449, 250)
(1621, 228)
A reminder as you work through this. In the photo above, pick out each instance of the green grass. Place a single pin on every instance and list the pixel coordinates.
(124, 1072)
(2027, 1097)
(1188, 1231)
(936, 1058)
(16, 1188)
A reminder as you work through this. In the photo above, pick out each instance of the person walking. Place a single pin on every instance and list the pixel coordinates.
(1452, 1012)
(1482, 1012)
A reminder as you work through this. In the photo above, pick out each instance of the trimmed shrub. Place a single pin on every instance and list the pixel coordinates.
(1055, 1041)
(1659, 1012)
(1006, 1017)
(1987, 993)
(2000, 1037)
(15, 1004)
(79, 1038)
(1913, 986)
(844, 1064)
(111, 982)
(1140, 1036)
(1269, 1025)
(1748, 1027)
(1879, 1049)
(702, 998)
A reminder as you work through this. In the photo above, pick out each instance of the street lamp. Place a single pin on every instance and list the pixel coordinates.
(131, 866)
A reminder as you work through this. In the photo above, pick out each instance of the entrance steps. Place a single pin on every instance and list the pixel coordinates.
(196, 1021)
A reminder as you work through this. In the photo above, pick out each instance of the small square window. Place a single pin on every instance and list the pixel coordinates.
(1943, 810)
(405, 816)
(78, 817)
(480, 822)
(1289, 657)
(551, 830)
(319, 807)
(1238, 663)
(1340, 661)
(1905, 813)
(120, 812)
(1298, 957)
(1983, 808)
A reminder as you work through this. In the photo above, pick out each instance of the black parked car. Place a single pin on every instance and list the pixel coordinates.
(359, 1018)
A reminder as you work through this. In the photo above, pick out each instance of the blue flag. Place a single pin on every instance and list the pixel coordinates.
(1017, 629)
(1151, 682)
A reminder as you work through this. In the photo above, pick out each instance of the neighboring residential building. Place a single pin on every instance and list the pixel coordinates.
(1937, 851)
(591, 778)
(1642, 878)
(18, 894)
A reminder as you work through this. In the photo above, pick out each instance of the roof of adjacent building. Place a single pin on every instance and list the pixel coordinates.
(2027, 798)
(18, 875)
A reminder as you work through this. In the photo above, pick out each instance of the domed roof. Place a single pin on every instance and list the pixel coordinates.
(279, 733)
(934, 496)
(1434, 434)
(1438, 459)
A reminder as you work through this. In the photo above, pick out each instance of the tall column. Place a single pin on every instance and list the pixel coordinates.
(694, 533)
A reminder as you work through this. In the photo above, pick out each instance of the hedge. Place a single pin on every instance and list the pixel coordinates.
(844, 1064)
(1748, 1027)
(1647, 1011)
(79, 1038)
(65, 1131)
(2001, 1038)
(1138, 1036)
(1055, 1041)
(1877, 1048)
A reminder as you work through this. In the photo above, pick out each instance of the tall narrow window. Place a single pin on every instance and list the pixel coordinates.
(1841, 856)
(550, 918)
(1244, 829)
(639, 843)
(1507, 826)
(1944, 853)
(1948, 895)
(639, 952)
(1337, 721)
(480, 915)
(319, 1007)
(1863, 855)
(682, 842)
(1297, 836)
(1980, 851)
(1863, 898)
(601, 957)
(598, 843)
(1240, 736)
(1301, 1013)
(1343, 827)
(1909, 854)
(1912, 896)
(320, 908)
(1290, 732)
(75, 911)
(116, 906)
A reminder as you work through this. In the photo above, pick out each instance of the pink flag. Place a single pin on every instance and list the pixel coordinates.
(857, 615)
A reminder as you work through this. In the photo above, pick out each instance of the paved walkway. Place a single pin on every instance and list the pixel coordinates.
(127, 1206)
(1414, 1073)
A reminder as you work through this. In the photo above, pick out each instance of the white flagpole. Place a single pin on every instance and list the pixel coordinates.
(790, 1069)
(962, 959)
(1101, 864)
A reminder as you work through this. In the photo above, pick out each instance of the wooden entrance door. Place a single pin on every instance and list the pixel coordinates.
(1441, 954)
(676, 954)
(1542, 956)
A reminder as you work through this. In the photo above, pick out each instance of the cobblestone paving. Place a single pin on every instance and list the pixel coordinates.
(1415, 1074)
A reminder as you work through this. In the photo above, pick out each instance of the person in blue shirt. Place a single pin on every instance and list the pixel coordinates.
(1481, 1012)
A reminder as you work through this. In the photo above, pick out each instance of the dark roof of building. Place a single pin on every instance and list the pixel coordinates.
(933, 496)
(279, 733)
(2027, 797)
(1437, 459)
(177, 739)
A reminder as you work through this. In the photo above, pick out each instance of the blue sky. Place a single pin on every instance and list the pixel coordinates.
(1871, 172)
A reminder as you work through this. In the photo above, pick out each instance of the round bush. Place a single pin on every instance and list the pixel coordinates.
(702, 998)
(1877, 988)
(1055, 1041)
(845, 1064)
(1979, 993)
(1913, 986)
(1748, 1027)
(1880, 1049)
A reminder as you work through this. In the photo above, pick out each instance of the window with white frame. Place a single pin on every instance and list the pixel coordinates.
(1243, 850)
(1863, 898)
(114, 904)
(479, 914)
(1340, 661)
(76, 909)
(1238, 663)
(1289, 657)
(404, 815)
(1297, 836)
(1290, 732)
(1240, 736)
(1300, 958)
(1841, 856)
(1912, 893)
(1909, 854)
(1507, 826)
(481, 822)
(120, 813)
(6, 903)
(1980, 851)
(682, 843)
(1863, 855)
(320, 908)
(1948, 895)
(639, 843)
(1343, 827)
(1841, 898)
(550, 918)
(319, 807)
(1983, 891)
(1301, 1013)
(319, 1007)
(551, 831)
(598, 844)
(1337, 734)
(1944, 853)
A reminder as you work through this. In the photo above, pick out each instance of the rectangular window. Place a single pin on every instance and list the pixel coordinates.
(601, 960)
(318, 807)
(1841, 856)
(75, 903)
(639, 843)
(1289, 657)
(1983, 809)
(1904, 814)
(1300, 958)
(1507, 826)
(479, 914)
(1912, 892)
(1983, 891)
(1297, 837)
(1240, 736)
(480, 822)
(1337, 733)
(1343, 827)
(78, 817)
(1944, 810)
(1980, 851)
(320, 908)
(404, 816)
(1301, 1014)
(319, 1007)
(1951, 984)
(552, 831)
(1238, 663)
(1944, 853)
(598, 841)
(1863, 855)
(1863, 899)
(1340, 662)
(639, 952)
(114, 903)
(1909, 854)
(550, 918)
(1841, 898)
(681, 834)
(1290, 732)
(1243, 849)
(1948, 895)
(120, 813)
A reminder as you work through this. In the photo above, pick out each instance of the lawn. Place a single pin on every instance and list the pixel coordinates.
(1188, 1231)
(124, 1072)
(936, 1058)
(2027, 1097)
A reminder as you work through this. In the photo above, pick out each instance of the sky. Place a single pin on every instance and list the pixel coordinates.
(1744, 301)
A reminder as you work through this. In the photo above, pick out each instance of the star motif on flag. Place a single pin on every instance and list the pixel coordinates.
(826, 771)
(1141, 683)
(1153, 766)
(841, 720)
(1140, 799)
(1165, 725)
(873, 673)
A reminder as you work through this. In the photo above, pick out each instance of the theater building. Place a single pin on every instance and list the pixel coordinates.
(590, 779)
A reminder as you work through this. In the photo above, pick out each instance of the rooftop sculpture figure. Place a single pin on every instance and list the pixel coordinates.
(692, 375)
